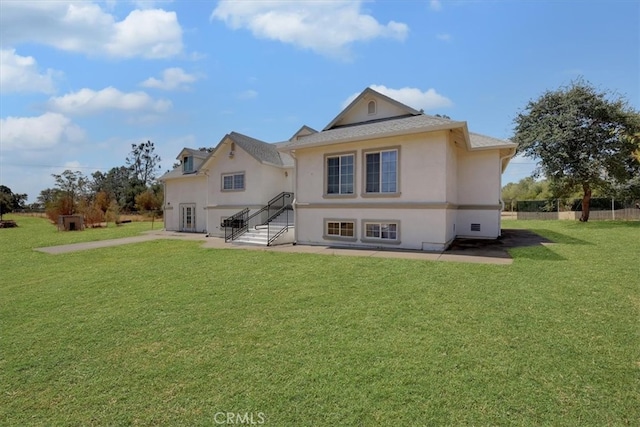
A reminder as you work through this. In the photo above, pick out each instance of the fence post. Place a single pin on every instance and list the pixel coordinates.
(613, 211)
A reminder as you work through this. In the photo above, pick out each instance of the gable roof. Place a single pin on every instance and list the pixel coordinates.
(192, 152)
(376, 129)
(262, 151)
(304, 130)
(478, 142)
(177, 172)
(370, 92)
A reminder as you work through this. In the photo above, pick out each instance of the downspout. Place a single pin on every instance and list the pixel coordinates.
(512, 152)
(206, 205)
(295, 196)
(164, 203)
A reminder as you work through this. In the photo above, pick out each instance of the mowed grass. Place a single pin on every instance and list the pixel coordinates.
(168, 333)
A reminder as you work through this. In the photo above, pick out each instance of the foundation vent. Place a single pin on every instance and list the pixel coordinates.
(475, 227)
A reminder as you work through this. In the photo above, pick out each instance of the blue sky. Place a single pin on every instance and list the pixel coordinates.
(82, 81)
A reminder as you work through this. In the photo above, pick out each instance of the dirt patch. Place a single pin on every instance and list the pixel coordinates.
(510, 238)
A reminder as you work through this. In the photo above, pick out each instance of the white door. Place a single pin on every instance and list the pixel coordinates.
(188, 217)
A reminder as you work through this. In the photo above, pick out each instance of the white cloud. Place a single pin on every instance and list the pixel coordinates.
(413, 97)
(37, 133)
(85, 27)
(435, 5)
(88, 101)
(444, 37)
(172, 79)
(326, 27)
(20, 74)
(248, 94)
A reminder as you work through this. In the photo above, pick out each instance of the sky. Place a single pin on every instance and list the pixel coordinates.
(81, 81)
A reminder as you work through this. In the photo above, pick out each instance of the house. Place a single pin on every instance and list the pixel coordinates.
(240, 173)
(185, 191)
(380, 174)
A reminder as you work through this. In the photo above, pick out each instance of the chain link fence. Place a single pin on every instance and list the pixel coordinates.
(600, 209)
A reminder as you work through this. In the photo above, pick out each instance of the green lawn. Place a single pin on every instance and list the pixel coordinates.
(168, 333)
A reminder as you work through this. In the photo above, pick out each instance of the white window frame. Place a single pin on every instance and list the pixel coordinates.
(380, 192)
(187, 164)
(340, 223)
(383, 227)
(340, 156)
(233, 186)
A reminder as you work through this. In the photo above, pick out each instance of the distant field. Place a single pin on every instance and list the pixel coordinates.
(168, 333)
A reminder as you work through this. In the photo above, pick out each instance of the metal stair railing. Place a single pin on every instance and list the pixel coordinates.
(239, 223)
(278, 232)
(235, 225)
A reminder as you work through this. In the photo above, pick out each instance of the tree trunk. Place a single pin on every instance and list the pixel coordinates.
(586, 200)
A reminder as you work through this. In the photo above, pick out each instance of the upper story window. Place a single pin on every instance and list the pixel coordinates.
(371, 107)
(233, 181)
(381, 174)
(340, 172)
(187, 164)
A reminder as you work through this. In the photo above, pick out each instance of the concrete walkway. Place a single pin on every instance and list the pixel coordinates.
(476, 255)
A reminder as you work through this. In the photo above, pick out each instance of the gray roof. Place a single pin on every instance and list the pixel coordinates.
(196, 153)
(368, 91)
(177, 173)
(376, 129)
(482, 141)
(261, 151)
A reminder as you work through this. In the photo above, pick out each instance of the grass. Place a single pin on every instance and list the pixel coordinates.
(168, 333)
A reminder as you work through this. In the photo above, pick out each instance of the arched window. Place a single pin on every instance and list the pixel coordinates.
(371, 107)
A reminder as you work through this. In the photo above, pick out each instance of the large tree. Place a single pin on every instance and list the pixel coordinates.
(582, 138)
(10, 201)
(144, 162)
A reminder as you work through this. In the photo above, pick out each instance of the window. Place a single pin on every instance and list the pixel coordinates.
(187, 164)
(381, 172)
(232, 182)
(340, 228)
(340, 171)
(381, 230)
(371, 107)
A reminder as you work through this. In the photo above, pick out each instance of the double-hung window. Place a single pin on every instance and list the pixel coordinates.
(381, 171)
(233, 181)
(381, 230)
(340, 172)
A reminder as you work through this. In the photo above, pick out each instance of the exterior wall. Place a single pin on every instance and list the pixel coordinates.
(418, 229)
(361, 113)
(489, 221)
(452, 172)
(262, 182)
(185, 190)
(478, 193)
(421, 163)
(420, 206)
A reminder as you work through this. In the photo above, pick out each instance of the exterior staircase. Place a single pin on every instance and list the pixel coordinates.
(259, 235)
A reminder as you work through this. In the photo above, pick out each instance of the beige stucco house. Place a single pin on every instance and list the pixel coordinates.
(240, 173)
(185, 191)
(380, 174)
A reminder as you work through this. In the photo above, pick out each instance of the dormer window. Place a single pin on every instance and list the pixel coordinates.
(187, 164)
(371, 107)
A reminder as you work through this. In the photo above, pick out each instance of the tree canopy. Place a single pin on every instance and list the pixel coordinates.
(144, 162)
(10, 201)
(582, 137)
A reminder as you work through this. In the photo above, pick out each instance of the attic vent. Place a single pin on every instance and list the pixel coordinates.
(475, 227)
(371, 107)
